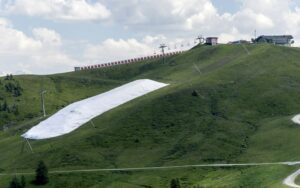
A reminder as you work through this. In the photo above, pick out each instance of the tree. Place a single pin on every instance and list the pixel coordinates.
(175, 183)
(15, 109)
(41, 176)
(4, 106)
(23, 182)
(195, 93)
(14, 183)
(6, 77)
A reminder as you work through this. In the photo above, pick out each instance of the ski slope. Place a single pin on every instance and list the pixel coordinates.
(75, 115)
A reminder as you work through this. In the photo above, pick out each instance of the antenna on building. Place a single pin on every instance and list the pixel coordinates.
(162, 47)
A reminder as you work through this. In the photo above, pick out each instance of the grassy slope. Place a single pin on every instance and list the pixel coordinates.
(242, 114)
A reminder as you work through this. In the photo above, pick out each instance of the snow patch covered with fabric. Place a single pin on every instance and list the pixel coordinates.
(75, 115)
(296, 119)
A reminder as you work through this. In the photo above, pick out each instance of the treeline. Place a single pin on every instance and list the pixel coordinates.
(4, 107)
(41, 177)
(12, 86)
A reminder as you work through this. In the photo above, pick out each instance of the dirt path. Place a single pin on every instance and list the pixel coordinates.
(290, 181)
(154, 168)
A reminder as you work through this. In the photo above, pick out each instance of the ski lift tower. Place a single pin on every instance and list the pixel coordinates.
(201, 39)
(162, 47)
(43, 102)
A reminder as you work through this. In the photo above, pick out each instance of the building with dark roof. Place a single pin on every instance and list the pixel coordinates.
(211, 41)
(285, 40)
(240, 42)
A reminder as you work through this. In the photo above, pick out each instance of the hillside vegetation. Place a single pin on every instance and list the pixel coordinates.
(223, 105)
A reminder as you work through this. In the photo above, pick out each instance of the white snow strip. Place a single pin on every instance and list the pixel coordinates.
(296, 119)
(290, 181)
(75, 115)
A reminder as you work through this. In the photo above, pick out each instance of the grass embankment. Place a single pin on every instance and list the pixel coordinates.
(223, 105)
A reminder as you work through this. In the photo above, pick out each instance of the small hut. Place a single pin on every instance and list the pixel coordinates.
(211, 41)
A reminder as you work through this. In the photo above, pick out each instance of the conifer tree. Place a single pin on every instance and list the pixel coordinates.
(14, 183)
(41, 177)
(175, 183)
(23, 182)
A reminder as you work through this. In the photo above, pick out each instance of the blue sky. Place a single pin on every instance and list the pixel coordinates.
(49, 36)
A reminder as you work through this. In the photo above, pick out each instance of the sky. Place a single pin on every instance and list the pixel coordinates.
(52, 36)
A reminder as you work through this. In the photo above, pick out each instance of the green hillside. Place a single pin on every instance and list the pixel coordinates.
(223, 105)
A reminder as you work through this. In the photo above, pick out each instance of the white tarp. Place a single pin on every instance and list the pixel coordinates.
(75, 115)
(296, 119)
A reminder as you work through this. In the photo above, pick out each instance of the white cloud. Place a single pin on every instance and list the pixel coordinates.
(4, 22)
(233, 35)
(47, 36)
(39, 54)
(112, 50)
(69, 10)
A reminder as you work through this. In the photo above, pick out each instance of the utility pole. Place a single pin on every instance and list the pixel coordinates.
(43, 102)
(162, 47)
(200, 39)
(254, 40)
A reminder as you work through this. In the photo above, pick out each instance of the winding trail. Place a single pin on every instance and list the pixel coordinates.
(290, 180)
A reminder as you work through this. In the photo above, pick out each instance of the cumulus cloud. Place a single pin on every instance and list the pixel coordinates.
(69, 10)
(47, 36)
(111, 50)
(41, 53)
(191, 17)
(122, 49)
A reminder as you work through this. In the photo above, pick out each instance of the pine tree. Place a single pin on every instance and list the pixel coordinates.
(6, 77)
(4, 106)
(23, 182)
(41, 177)
(14, 183)
(15, 110)
(175, 183)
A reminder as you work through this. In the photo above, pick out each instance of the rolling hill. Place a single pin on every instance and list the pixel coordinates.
(223, 105)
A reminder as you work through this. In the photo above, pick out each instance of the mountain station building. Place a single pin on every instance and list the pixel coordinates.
(285, 40)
